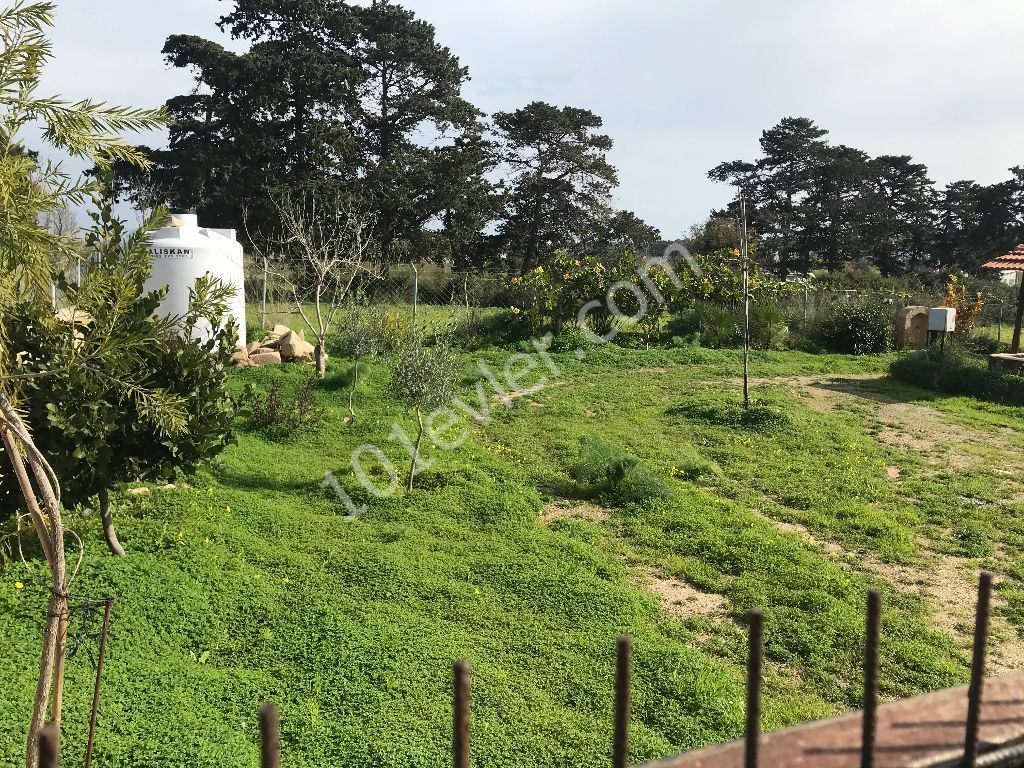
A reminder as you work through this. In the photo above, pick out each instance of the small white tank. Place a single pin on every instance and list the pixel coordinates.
(183, 251)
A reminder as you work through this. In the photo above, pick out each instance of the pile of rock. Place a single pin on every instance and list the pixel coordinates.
(283, 345)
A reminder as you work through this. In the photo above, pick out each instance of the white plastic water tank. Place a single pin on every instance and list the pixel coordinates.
(183, 251)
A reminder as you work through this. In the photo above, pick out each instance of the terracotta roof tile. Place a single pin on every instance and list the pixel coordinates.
(1014, 260)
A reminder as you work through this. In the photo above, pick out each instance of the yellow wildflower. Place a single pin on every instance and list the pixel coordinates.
(18, 585)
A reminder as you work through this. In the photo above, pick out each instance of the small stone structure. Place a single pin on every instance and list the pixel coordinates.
(1006, 362)
(912, 327)
(282, 345)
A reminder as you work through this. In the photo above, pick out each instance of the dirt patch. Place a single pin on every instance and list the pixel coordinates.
(795, 529)
(947, 584)
(683, 600)
(528, 392)
(574, 510)
(893, 473)
(908, 427)
(677, 598)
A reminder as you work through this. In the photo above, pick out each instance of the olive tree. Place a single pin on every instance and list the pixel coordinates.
(425, 379)
(364, 333)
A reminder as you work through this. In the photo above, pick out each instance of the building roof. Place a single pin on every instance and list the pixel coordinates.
(1014, 260)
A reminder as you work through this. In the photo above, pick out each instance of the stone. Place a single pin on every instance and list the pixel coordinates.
(1006, 362)
(280, 331)
(252, 346)
(240, 357)
(294, 348)
(266, 357)
(75, 317)
(912, 327)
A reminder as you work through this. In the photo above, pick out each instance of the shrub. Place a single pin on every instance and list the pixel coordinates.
(961, 375)
(719, 327)
(365, 332)
(94, 433)
(424, 379)
(570, 338)
(768, 329)
(281, 416)
(859, 329)
(968, 310)
(554, 294)
(759, 417)
(615, 475)
(494, 329)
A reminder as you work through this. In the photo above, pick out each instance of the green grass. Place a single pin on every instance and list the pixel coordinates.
(250, 586)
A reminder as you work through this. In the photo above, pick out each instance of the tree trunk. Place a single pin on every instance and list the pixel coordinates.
(321, 360)
(1019, 320)
(352, 388)
(109, 534)
(50, 530)
(415, 450)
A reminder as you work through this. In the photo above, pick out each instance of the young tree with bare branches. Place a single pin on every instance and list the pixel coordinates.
(323, 243)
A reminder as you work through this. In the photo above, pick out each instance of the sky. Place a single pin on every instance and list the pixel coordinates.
(681, 84)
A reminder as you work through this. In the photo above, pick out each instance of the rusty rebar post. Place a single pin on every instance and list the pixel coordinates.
(755, 664)
(623, 681)
(108, 604)
(976, 690)
(871, 647)
(460, 730)
(270, 738)
(49, 747)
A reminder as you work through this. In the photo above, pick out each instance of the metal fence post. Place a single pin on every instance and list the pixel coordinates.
(263, 304)
(623, 678)
(976, 690)
(415, 293)
(460, 717)
(270, 740)
(755, 664)
(108, 604)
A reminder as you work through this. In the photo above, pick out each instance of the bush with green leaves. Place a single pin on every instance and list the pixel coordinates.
(571, 338)
(424, 378)
(615, 475)
(768, 325)
(859, 329)
(96, 434)
(960, 374)
(280, 415)
(720, 327)
(766, 418)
